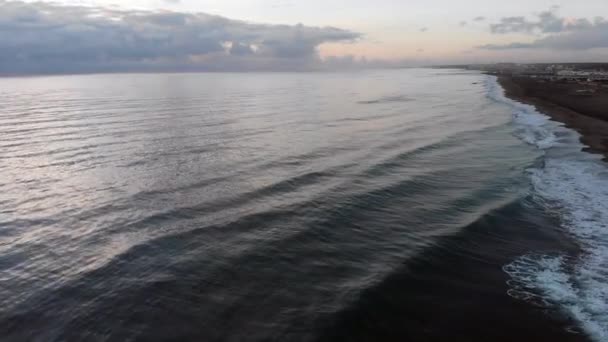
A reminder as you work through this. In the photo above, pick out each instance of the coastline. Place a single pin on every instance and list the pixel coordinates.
(589, 121)
(433, 298)
(382, 237)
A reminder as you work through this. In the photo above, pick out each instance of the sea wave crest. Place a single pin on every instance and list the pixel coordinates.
(573, 185)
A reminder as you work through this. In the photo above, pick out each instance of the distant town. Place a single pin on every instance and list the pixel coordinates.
(571, 72)
(588, 78)
(574, 93)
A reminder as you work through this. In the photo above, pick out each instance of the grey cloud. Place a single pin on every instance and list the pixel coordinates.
(506, 46)
(241, 49)
(513, 24)
(546, 22)
(583, 39)
(479, 18)
(556, 33)
(43, 37)
(424, 29)
(463, 23)
(298, 41)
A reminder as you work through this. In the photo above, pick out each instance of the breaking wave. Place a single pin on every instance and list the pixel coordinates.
(572, 185)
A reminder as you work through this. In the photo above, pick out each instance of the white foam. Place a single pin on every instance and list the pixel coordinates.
(573, 184)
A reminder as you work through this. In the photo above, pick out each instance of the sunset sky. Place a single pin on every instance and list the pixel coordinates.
(287, 34)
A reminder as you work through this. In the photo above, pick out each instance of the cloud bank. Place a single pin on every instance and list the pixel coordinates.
(50, 38)
(558, 33)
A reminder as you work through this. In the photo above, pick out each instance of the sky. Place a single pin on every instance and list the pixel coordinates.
(250, 35)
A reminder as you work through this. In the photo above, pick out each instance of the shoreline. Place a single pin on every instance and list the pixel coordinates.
(593, 128)
(412, 304)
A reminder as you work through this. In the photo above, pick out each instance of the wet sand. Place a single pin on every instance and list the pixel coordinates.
(588, 115)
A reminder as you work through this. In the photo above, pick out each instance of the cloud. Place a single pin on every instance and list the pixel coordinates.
(424, 29)
(506, 46)
(555, 32)
(546, 22)
(512, 24)
(463, 23)
(50, 38)
(241, 49)
(478, 19)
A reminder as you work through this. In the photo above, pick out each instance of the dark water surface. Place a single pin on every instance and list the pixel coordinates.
(384, 205)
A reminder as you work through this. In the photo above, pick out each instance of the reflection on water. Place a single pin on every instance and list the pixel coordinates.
(233, 206)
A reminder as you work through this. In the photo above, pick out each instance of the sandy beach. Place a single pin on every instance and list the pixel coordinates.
(588, 115)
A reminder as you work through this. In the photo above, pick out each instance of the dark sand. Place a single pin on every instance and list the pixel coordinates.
(588, 115)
